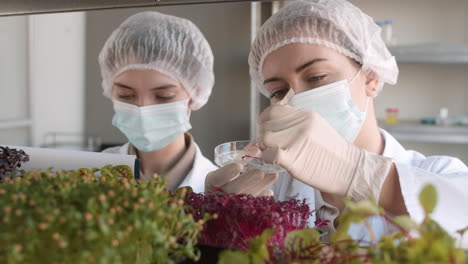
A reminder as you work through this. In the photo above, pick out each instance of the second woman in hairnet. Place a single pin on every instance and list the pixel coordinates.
(322, 63)
(156, 69)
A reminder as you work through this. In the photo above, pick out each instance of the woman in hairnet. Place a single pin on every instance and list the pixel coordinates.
(321, 63)
(156, 69)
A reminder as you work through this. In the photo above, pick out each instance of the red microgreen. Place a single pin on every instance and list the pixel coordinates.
(319, 222)
(11, 161)
(241, 217)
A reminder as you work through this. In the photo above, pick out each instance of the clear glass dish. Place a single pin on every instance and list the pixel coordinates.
(235, 151)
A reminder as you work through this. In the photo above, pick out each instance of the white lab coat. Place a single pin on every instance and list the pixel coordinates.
(195, 178)
(449, 175)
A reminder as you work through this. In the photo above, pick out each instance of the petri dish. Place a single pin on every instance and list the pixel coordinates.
(234, 151)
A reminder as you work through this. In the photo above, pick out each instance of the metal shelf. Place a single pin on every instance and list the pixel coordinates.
(7, 124)
(431, 54)
(23, 7)
(414, 132)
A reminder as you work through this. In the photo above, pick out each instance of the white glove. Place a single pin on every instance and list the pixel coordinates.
(313, 152)
(231, 179)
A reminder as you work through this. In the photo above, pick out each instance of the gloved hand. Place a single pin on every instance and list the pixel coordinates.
(313, 152)
(231, 179)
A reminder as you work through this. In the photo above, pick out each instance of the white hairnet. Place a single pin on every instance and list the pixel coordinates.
(336, 24)
(171, 45)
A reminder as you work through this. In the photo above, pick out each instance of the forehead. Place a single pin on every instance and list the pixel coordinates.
(291, 56)
(135, 76)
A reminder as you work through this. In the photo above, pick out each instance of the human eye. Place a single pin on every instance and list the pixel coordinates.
(316, 78)
(165, 96)
(125, 97)
(279, 94)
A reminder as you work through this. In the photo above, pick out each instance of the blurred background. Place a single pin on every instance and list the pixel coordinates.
(51, 95)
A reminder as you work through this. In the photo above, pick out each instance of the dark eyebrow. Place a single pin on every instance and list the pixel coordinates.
(123, 86)
(299, 69)
(152, 89)
(274, 79)
(163, 87)
(307, 64)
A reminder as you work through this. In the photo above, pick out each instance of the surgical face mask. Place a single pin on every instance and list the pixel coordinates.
(151, 128)
(334, 103)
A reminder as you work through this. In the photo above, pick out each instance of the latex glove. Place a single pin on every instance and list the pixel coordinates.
(313, 152)
(231, 179)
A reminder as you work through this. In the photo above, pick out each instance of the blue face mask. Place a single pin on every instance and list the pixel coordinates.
(151, 128)
(334, 103)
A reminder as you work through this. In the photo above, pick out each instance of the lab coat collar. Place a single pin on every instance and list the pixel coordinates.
(196, 177)
(393, 149)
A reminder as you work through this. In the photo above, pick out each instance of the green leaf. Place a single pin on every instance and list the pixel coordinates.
(106, 172)
(462, 231)
(187, 189)
(122, 171)
(405, 222)
(297, 239)
(229, 256)
(84, 171)
(363, 208)
(103, 226)
(259, 246)
(302, 243)
(428, 198)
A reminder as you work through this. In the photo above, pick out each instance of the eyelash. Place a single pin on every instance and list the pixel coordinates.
(165, 98)
(126, 97)
(311, 79)
(278, 93)
(316, 78)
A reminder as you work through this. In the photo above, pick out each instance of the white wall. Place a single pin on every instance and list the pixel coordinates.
(57, 65)
(422, 21)
(13, 78)
(422, 89)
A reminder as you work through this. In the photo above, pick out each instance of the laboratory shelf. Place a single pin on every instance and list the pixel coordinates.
(431, 53)
(414, 132)
(8, 124)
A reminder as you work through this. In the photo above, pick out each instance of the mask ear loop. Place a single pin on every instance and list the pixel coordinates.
(367, 99)
(355, 76)
(367, 104)
(189, 109)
